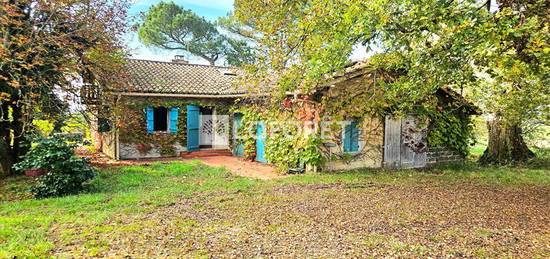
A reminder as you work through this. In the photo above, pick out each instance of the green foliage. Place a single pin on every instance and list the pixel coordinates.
(170, 26)
(65, 173)
(311, 153)
(43, 57)
(448, 129)
(285, 146)
(45, 127)
(499, 58)
(282, 149)
(131, 121)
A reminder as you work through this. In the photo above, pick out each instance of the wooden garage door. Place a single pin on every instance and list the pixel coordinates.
(400, 135)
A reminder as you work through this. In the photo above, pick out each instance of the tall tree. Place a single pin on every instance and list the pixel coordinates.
(499, 58)
(171, 27)
(46, 47)
(515, 62)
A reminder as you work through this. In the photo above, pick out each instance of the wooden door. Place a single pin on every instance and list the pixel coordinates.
(403, 143)
(193, 124)
(392, 142)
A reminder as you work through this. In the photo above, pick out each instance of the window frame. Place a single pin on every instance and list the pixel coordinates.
(349, 148)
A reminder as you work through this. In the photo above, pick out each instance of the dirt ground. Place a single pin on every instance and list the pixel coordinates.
(236, 165)
(340, 221)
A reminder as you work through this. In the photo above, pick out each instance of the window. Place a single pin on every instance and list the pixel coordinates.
(160, 119)
(351, 137)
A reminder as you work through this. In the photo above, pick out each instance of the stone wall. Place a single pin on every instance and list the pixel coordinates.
(438, 155)
(370, 154)
(130, 151)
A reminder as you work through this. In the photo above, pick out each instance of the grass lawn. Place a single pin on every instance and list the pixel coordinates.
(191, 210)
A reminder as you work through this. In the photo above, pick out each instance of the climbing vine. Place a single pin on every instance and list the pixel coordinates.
(285, 144)
(451, 129)
(442, 119)
(132, 125)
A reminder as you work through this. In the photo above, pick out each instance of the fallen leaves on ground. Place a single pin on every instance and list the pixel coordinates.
(427, 218)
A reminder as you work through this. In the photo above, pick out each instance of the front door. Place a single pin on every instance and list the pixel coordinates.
(260, 142)
(193, 124)
(206, 128)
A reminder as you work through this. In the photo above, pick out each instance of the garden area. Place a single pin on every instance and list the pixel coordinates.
(192, 210)
(445, 102)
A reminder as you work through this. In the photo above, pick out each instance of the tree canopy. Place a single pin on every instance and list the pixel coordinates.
(171, 27)
(47, 50)
(499, 57)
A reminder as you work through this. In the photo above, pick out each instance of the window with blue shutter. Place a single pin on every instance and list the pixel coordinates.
(150, 120)
(174, 119)
(351, 137)
(160, 119)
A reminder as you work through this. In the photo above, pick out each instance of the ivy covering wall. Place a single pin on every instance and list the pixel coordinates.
(292, 144)
(286, 145)
(132, 125)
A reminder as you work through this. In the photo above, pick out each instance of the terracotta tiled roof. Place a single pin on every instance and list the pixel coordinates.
(179, 78)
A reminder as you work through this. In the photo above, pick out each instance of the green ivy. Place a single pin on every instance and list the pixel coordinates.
(451, 129)
(281, 149)
(132, 124)
(247, 130)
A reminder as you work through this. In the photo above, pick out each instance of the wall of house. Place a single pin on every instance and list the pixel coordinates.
(131, 151)
(370, 154)
(136, 142)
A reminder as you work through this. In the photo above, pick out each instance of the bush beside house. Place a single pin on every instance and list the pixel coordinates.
(64, 172)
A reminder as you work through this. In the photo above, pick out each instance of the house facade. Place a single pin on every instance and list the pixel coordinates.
(173, 108)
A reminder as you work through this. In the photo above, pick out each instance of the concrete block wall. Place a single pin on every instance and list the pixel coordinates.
(437, 155)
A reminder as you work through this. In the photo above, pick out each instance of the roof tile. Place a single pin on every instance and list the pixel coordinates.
(180, 78)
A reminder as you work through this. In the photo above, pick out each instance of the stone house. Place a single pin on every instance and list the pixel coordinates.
(172, 108)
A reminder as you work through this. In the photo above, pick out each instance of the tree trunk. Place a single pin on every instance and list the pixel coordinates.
(6, 160)
(506, 144)
(12, 138)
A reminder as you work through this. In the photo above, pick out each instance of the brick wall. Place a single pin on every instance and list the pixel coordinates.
(437, 155)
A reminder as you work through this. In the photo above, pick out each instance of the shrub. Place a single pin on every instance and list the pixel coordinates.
(65, 173)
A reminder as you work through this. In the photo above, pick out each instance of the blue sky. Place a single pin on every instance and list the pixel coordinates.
(210, 9)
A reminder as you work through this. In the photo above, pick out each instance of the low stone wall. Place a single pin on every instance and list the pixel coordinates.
(438, 155)
(368, 159)
(130, 151)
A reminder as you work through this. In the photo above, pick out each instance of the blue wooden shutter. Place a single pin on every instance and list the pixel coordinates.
(351, 138)
(347, 138)
(193, 113)
(354, 137)
(238, 146)
(260, 142)
(173, 120)
(150, 120)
